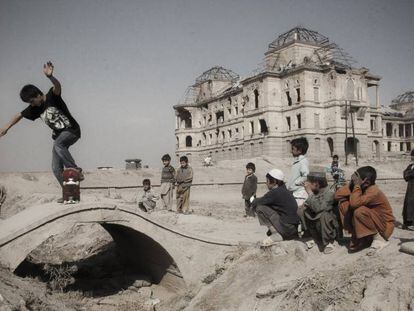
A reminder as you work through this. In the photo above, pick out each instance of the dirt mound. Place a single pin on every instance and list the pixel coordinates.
(79, 269)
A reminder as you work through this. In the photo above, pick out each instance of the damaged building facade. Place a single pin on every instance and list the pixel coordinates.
(307, 86)
(398, 124)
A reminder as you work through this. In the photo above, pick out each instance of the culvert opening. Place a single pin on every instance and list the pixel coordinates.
(131, 261)
(145, 255)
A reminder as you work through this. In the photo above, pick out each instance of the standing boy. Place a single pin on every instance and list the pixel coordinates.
(337, 173)
(149, 198)
(365, 212)
(53, 111)
(184, 179)
(298, 174)
(408, 210)
(249, 189)
(319, 211)
(167, 182)
(277, 210)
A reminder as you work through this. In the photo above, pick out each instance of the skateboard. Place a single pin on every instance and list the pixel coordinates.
(71, 186)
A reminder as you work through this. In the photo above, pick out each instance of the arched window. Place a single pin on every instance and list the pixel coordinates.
(188, 141)
(256, 99)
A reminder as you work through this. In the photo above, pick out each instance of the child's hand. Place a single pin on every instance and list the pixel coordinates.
(308, 187)
(48, 69)
(3, 132)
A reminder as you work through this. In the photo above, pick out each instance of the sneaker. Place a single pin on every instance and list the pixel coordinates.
(81, 176)
(377, 245)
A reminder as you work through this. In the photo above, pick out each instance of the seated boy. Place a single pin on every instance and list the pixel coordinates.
(249, 189)
(318, 211)
(149, 198)
(365, 211)
(277, 209)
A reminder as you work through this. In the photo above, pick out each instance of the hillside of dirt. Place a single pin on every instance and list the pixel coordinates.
(81, 270)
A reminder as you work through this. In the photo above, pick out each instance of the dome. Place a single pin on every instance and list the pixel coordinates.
(299, 34)
(217, 73)
(406, 98)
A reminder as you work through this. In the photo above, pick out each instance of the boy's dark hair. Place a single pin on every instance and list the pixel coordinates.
(369, 173)
(335, 156)
(251, 166)
(166, 157)
(184, 159)
(29, 92)
(146, 182)
(301, 144)
(318, 179)
(274, 180)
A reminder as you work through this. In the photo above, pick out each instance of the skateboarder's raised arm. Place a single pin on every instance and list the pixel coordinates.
(48, 71)
(14, 120)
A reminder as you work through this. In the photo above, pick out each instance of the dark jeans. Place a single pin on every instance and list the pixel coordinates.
(269, 217)
(61, 157)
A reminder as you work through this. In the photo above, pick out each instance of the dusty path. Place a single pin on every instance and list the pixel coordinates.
(286, 277)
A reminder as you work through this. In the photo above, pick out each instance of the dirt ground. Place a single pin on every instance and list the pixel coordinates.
(81, 270)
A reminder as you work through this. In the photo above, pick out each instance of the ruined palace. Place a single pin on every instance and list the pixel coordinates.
(307, 86)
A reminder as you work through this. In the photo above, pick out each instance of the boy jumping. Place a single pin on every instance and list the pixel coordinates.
(53, 111)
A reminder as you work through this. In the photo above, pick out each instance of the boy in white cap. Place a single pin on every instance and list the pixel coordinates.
(277, 209)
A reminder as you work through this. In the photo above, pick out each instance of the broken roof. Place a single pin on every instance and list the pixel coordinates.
(328, 53)
(406, 98)
(217, 73)
(298, 34)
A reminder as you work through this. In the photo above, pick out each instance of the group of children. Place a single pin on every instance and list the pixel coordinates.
(305, 206)
(181, 178)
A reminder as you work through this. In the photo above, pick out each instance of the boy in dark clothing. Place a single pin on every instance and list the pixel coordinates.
(249, 189)
(184, 179)
(408, 210)
(277, 209)
(167, 182)
(53, 111)
(319, 212)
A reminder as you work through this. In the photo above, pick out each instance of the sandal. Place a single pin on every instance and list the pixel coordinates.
(310, 244)
(329, 248)
(268, 242)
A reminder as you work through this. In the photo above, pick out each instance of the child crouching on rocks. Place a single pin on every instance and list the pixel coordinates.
(277, 210)
(319, 213)
(149, 198)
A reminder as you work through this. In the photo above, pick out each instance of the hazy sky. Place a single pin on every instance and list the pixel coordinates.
(124, 64)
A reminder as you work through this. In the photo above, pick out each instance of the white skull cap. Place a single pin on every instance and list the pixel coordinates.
(277, 174)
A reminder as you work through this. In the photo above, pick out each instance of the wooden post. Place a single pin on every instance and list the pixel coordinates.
(353, 135)
(346, 133)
